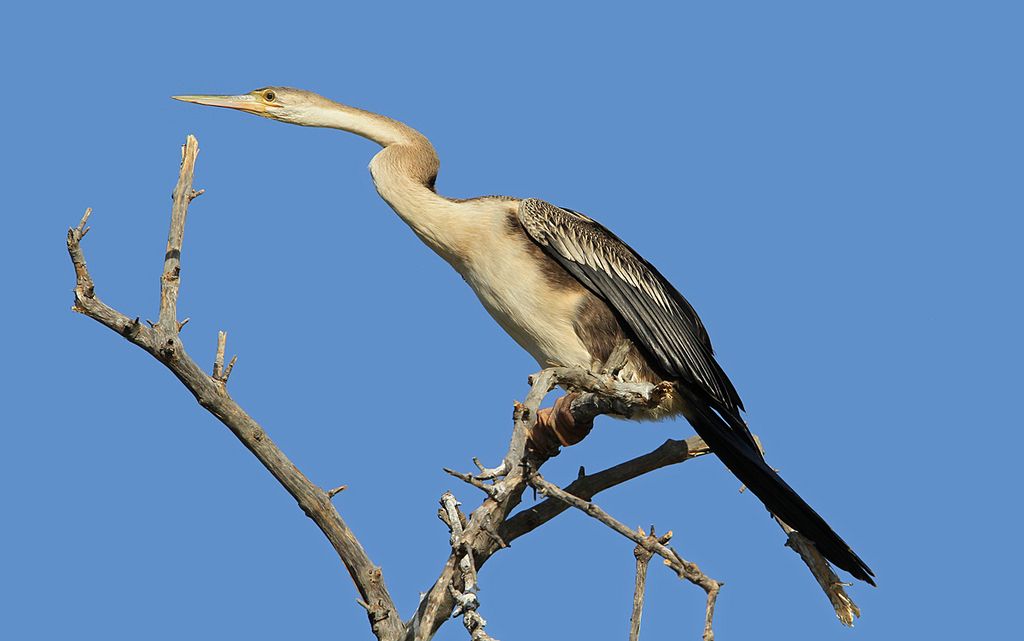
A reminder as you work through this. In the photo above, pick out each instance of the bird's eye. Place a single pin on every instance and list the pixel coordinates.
(269, 96)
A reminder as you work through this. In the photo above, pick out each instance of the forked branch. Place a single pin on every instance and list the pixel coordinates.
(831, 585)
(491, 526)
(162, 342)
(643, 554)
(683, 568)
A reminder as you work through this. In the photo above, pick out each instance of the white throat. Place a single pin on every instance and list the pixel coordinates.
(404, 173)
(380, 129)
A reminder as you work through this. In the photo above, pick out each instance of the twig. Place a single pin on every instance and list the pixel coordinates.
(489, 490)
(590, 395)
(683, 568)
(82, 229)
(489, 527)
(334, 491)
(161, 341)
(221, 373)
(84, 287)
(170, 280)
(478, 535)
(466, 601)
(643, 554)
(846, 610)
(643, 558)
(586, 487)
(490, 473)
(218, 359)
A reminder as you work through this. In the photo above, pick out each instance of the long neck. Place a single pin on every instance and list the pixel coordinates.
(380, 129)
(404, 173)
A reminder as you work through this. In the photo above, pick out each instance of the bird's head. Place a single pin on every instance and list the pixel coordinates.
(279, 103)
(300, 107)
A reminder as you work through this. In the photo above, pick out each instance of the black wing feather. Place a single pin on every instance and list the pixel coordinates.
(664, 322)
(668, 330)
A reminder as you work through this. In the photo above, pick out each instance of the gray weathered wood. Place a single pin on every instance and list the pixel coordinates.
(846, 610)
(589, 485)
(683, 568)
(163, 343)
(490, 527)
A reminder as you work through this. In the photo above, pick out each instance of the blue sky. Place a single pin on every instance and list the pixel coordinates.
(835, 188)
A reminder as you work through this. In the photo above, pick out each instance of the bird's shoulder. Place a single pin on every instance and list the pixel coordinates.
(661, 319)
(581, 239)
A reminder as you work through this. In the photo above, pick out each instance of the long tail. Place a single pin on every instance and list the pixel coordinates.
(729, 438)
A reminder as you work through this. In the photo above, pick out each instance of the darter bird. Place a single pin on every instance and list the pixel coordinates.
(565, 288)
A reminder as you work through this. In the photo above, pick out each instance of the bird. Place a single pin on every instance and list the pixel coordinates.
(566, 289)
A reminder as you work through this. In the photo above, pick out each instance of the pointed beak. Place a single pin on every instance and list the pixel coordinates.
(245, 102)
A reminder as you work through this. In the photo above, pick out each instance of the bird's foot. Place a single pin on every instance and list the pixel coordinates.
(557, 427)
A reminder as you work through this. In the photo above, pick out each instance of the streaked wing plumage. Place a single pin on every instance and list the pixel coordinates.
(665, 324)
(666, 327)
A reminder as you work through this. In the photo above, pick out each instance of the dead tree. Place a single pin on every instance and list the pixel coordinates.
(492, 525)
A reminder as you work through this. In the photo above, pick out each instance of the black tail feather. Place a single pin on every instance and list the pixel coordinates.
(728, 437)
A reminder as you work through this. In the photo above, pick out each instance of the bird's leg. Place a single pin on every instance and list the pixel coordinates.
(557, 426)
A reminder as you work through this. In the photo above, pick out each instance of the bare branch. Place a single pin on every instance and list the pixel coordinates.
(466, 602)
(489, 490)
(643, 558)
(171, 278)
(490, 473)
(709, 610)
(84, 287)
(221, 373)
(82, 229)
(480, 536)
(489, 528)
(586, 487)
(846, 609)
(590, 395)
(334, 491)
(218, 359)
(161, 341)
(685, 569)
(643, 554)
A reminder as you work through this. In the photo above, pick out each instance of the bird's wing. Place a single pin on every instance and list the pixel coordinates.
(664, 323)
(667, 329)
